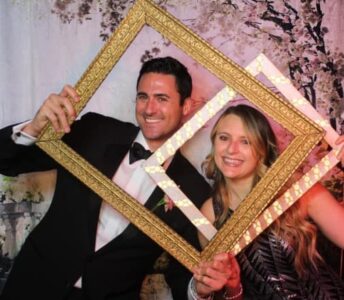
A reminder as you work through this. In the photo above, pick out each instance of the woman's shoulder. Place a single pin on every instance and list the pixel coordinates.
(208, 210)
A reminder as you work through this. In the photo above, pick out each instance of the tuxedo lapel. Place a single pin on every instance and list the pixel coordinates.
(131, 231)
(112, 158)
(119, 139)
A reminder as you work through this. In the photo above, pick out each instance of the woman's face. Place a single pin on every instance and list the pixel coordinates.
(233, 153)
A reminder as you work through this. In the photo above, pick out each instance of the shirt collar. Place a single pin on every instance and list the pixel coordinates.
(141, 139)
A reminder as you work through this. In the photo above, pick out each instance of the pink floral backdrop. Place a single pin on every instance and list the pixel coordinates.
(47, 44)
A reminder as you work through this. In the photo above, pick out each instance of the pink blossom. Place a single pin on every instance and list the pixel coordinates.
(168, 203)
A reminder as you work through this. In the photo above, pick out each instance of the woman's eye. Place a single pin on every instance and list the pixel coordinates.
(223, 138)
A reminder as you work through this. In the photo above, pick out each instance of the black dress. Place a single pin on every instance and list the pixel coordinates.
(268, 272)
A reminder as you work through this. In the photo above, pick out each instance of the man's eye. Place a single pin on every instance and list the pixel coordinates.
(162, 99)
(141, 98)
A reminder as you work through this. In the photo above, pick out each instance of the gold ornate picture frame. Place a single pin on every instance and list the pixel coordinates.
(306, 133)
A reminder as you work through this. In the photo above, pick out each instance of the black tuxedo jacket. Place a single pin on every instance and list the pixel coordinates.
(61, 247)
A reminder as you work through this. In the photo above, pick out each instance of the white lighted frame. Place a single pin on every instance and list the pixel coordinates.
(263, 65)
(307, 134)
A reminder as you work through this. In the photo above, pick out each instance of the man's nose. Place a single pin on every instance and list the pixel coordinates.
(151, 106)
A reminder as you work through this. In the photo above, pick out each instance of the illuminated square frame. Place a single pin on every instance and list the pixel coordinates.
(261, 64)
(307, 133)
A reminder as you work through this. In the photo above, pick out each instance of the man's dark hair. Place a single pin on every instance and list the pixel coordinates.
(169, 66)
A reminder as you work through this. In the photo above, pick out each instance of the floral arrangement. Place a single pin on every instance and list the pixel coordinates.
(166, 201)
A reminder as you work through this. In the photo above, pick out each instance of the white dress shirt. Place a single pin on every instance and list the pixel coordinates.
(137, 183)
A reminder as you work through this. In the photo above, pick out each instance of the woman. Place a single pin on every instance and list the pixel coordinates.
(283, 262)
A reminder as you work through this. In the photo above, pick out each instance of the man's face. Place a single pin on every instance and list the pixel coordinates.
(158, 110)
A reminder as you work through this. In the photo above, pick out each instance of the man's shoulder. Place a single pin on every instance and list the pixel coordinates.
(184, 173)
(94, 124)
(96, 119)
(184, 164)
(183, 168)
(93, 128)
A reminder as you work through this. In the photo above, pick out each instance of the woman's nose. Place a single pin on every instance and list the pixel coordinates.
(232, 147)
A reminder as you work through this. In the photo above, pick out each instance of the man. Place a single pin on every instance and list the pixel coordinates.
(83, 248)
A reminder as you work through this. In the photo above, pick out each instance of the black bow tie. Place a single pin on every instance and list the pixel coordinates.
(137, 152)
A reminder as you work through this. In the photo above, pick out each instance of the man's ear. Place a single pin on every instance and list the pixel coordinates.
(187, 106)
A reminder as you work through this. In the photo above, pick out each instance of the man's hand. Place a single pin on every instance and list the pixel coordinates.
(57, 109)
(222, 271)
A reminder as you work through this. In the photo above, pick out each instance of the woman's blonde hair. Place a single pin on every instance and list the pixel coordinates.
(291, 226)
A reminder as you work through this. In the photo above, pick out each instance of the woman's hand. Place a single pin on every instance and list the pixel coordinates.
(221, 272)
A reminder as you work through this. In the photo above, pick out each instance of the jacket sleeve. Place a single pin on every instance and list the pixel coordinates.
(177, 277)
(16, 159)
